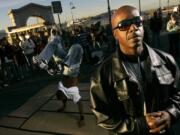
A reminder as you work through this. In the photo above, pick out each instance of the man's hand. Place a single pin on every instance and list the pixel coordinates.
(158, 121)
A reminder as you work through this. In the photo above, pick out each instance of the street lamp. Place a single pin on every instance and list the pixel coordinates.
(140, 6)
(168, 4)
(72, 7)
(159, 3)
(109, 12)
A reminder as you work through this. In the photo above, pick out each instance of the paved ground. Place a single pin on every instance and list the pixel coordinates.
(18, 92)
(34, 112)
(38, 116)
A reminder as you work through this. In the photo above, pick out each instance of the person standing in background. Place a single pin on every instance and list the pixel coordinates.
(155, 27)
(173, 28)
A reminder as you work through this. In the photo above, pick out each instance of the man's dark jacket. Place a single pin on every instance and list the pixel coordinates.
(115, 94)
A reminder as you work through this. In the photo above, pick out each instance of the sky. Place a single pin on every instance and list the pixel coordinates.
(84, 8)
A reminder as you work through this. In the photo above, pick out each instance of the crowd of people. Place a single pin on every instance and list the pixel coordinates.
(16, 57)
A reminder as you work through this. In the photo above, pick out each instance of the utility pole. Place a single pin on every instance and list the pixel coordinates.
(168, 4)
(59, 21)
(159, 3)
(72, 7)
(140, 7)
(109, 12)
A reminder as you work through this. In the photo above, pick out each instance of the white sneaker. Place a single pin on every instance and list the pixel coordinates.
(35, 60)
(43, 65)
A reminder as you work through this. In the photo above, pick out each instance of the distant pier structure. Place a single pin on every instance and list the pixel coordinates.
(20, 16)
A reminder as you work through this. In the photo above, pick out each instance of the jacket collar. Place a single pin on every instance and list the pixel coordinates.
(156, 60)
(119, 71)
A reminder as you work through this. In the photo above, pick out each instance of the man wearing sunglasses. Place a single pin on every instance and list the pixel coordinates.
(135, 91)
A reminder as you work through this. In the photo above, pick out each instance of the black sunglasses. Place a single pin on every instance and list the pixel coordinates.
(125, 24)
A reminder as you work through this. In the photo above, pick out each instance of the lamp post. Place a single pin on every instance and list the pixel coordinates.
(168, 4)
(140, 7)
(109, 12)
(159, 3)
(72, 7)
(59, 21)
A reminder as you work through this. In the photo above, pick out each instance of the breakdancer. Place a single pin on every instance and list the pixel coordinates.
(69, 65)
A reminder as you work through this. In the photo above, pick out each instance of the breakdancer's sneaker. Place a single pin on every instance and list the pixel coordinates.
(35, 60)
(42, 64)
